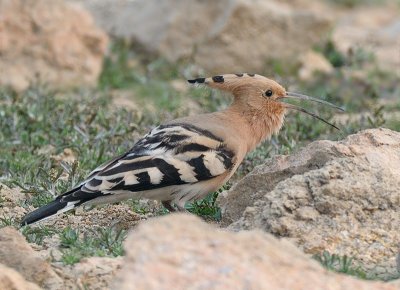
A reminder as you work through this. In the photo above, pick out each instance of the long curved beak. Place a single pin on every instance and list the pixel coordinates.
(300, 109)
(291, 95)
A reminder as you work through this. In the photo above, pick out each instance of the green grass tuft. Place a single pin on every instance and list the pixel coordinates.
(101, 242)
(340, 264)
(38, 119)
(7, 222)
(208, 207)
(37, 234)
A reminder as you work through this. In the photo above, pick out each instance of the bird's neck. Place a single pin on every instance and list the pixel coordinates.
(258, 123)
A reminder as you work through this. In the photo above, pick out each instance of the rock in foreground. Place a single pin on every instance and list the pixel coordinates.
(16, 253)
(343, 197)
(12, 280)
(182, 252)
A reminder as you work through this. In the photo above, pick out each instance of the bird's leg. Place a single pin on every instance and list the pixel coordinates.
(167, 204)
(181, 208)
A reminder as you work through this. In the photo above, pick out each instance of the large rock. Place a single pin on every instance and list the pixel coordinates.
(50, 41)
(12, 280)
(182, 252)
(17, 254)
(343, 197)
(265, 177)
(220, 36)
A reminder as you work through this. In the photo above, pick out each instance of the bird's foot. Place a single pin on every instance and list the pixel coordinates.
(168, 205)
(170, 208)
(181, 208)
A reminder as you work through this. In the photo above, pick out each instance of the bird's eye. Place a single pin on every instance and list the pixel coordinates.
(268, 93)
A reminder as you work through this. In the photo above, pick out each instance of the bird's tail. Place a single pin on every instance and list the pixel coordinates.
(57, 206)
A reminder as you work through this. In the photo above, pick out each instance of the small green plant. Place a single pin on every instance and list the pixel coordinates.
(7, 221)
(208, 207)
(377, 119)
(118, 71)
(348, 3)
(36, 119)
(335, 57)
(99, 242)
(340, 264)
(354, 3)
(37, 234)
(43, 185)
(137, 207)
(68, 237)
(393, 124)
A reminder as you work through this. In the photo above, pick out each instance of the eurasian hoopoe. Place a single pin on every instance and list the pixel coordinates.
(185, 159)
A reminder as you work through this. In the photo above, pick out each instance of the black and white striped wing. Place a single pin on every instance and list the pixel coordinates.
(169, 155)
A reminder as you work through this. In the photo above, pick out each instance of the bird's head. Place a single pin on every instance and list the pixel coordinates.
(260, 94)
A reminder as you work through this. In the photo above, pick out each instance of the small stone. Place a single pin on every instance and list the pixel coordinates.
(67, 156)
(307, 213)
(313, 62)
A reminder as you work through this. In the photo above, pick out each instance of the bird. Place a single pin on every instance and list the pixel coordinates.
(185, 159)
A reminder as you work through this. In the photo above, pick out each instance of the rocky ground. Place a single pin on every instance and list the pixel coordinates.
(342, 197)
(82, 80)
